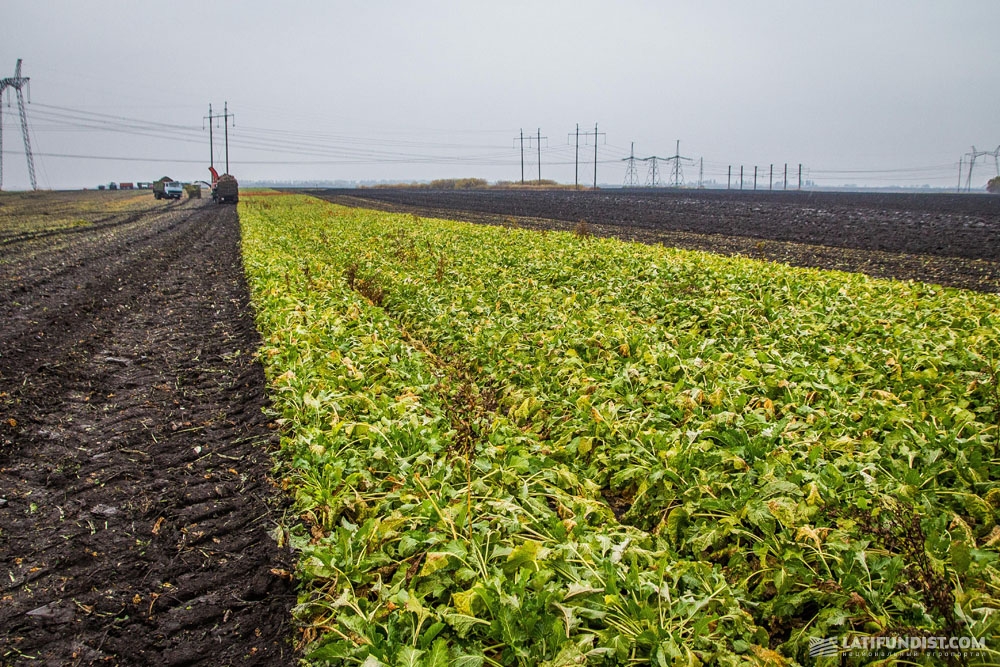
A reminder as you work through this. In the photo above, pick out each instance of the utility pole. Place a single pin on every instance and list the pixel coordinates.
(701, 173)
(596, 135)
(741, 177)
(211, 142)
(586, 137)
(225, 116)
(784, 183)
(729, 176)
(770, 179)
(576, 162)
(755, 178)
(521, 139)
(17, 82)
(800, 175)
(522, 156)
(225, 122)
(540, 155)
(631, 175)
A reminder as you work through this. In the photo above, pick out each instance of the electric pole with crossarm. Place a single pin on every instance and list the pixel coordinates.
(225, 116)
(586, 137)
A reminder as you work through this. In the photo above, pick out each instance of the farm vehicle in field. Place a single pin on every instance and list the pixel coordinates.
(167, 188)
(225, 189)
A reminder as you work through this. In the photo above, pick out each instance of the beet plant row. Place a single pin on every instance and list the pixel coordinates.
(510, 447)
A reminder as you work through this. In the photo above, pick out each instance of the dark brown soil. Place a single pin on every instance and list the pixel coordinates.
(135, 502)
(951, 240)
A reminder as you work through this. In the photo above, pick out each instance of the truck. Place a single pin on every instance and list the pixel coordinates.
(225, 189)
(167, 188)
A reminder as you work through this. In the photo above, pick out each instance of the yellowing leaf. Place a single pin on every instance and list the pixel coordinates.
(434, 561)
(524, 554)
(463, 601)
(782, 509)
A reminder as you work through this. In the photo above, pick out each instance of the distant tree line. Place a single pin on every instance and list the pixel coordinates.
(470, 184)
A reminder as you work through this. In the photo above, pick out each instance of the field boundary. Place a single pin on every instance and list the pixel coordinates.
(981, 275)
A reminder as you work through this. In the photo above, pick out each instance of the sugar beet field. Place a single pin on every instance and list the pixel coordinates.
(449, 428)
(939, 238)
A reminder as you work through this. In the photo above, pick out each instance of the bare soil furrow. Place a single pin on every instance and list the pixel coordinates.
(116, 403)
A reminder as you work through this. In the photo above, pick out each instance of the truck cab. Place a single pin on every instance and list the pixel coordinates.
(168, 189)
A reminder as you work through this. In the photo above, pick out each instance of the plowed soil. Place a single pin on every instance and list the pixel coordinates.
(952, 240)
(135, 502)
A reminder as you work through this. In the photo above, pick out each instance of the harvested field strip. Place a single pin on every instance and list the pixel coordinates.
(134, 454)
(25, 215)
(690, 456)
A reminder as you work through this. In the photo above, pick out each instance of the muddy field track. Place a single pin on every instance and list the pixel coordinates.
(940, 238)
(135, 500)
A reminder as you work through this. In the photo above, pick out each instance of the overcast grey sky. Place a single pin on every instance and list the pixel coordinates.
(896, 90)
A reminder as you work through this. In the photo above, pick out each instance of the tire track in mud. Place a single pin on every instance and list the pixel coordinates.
(105, 222)
(134, 454)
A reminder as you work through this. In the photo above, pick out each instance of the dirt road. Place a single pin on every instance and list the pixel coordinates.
(135, 499)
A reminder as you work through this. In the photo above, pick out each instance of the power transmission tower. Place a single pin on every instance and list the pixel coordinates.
(676, 172)
(972, 163)
(17, 82)
(653, 173)
(631, 175)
